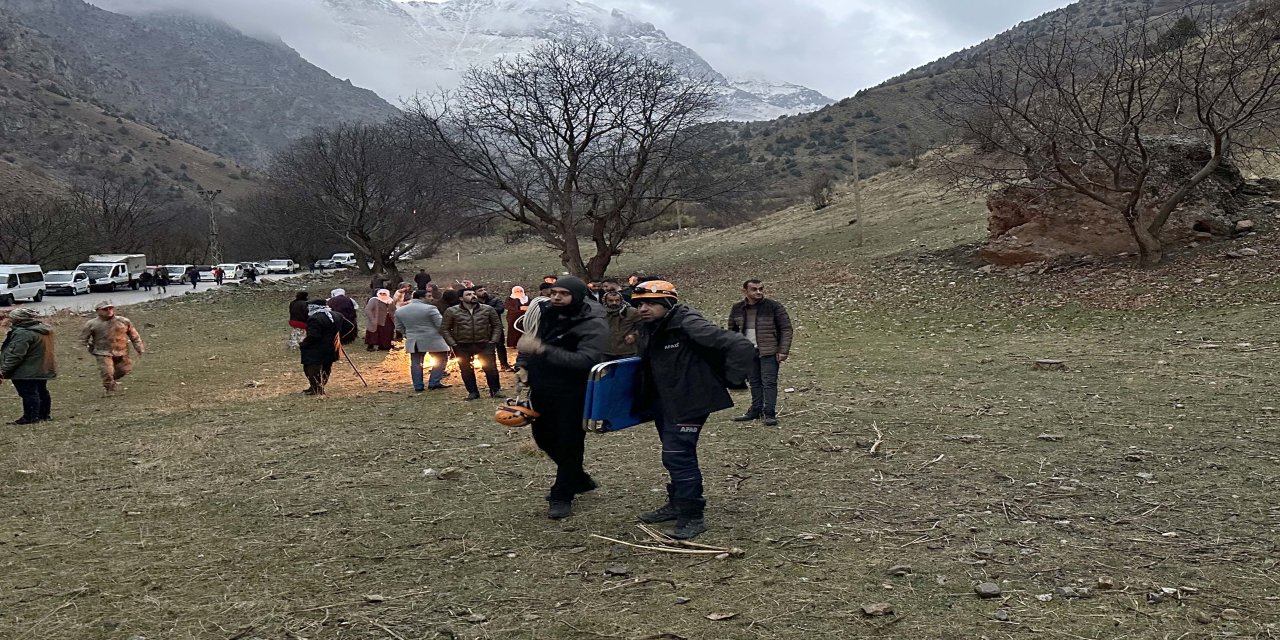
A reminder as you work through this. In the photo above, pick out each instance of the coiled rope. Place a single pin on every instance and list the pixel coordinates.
(528, 323)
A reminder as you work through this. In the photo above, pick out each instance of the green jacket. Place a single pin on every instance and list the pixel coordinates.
(27, 353)
(470, 326)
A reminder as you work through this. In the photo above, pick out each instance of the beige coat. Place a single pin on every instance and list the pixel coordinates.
(111, 337)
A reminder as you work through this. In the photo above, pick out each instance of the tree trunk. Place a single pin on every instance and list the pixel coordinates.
(1150, 249)
(571, 255)
(598, 266)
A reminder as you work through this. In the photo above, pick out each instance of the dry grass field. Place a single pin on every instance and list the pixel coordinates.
(1129, 495)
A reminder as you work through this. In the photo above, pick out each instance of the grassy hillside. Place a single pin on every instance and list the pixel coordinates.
(53, 136)
(211, 500)
(895, 122)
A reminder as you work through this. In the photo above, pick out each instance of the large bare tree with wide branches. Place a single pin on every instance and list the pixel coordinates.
(581, 142)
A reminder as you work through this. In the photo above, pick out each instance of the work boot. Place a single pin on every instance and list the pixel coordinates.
(689, 522)
(748, 416)
(770, 421)
(559, 509)
(665, 513)
(25, 420)
(474, 395)
(496, 393)
(588, 485)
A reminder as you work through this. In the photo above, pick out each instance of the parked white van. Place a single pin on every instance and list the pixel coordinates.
(25, 281)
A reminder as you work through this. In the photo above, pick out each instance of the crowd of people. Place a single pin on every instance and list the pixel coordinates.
(687, 362)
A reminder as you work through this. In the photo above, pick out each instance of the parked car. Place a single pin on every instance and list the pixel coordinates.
(108, 276)
(343, 259)
(282, 266)
(206, 272)
(20, 281)
(177, 273)
(71, 283)
(326, 263)
(231, 271)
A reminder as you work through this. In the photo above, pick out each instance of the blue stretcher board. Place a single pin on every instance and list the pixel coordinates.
(610, 397)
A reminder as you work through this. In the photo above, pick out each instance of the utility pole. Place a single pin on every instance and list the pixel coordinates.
(857, 195)
(215, 248)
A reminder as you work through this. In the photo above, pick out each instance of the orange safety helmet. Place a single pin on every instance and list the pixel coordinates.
(515, 413)
(654, 289)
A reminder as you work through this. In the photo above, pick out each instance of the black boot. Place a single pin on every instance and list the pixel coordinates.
(689, 521)
(474, 395)
(665, 513)
(748, 416)
(559, 509)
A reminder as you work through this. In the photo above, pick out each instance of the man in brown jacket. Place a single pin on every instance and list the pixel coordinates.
(108, 337)
(766, 324)
(472, 329)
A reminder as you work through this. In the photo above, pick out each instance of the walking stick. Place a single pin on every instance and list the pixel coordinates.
(353, 365)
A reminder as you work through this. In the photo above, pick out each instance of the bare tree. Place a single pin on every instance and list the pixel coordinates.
(821, 187)
(355, 183)
(578, 141)
(120, 213)
(279, 223)
(1089, 113)
(38, 229)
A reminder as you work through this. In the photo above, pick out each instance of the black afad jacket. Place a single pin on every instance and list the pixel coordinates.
(688, 363)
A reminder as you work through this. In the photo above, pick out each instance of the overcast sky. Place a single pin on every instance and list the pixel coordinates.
(834, 46)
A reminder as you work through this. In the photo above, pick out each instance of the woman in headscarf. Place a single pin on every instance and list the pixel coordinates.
(345, 307)
(517, 304)
(379, 328)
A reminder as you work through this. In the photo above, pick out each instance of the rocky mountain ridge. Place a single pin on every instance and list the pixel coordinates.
(399, 49)
(193, 79)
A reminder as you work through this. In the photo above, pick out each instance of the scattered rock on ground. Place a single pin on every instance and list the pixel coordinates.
(1002, 615)
(1230, 614)
(900, 570)
(877, 609)
(616, 570)
(987, 590)
(1050, 437)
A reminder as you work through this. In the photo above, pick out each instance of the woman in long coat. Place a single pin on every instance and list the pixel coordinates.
(379, 328)
(517, 303)
(345, 307)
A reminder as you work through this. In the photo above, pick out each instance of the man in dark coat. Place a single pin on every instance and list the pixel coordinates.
(687, 363)
(320, 347)
(555, 360)
(27, 358)
(765, 323)
(422, 279)
(472, 329)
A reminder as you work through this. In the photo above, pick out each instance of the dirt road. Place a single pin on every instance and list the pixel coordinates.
(86, 301)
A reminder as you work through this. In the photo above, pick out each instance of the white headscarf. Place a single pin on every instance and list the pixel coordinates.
(337, 292)
(384, 295)
(518, 294)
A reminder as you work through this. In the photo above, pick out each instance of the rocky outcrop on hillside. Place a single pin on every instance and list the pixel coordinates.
(193, 79)
(1029, 224)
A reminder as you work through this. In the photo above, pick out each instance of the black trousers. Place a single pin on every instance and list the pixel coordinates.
(36, 403)
(317, 374)
(484, 353)
(558, 432)
(680, 457)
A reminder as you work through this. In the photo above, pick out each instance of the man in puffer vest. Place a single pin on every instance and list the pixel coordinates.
(765, 323)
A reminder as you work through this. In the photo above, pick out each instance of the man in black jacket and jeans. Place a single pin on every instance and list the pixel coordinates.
(687, 363)
(556, 361)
